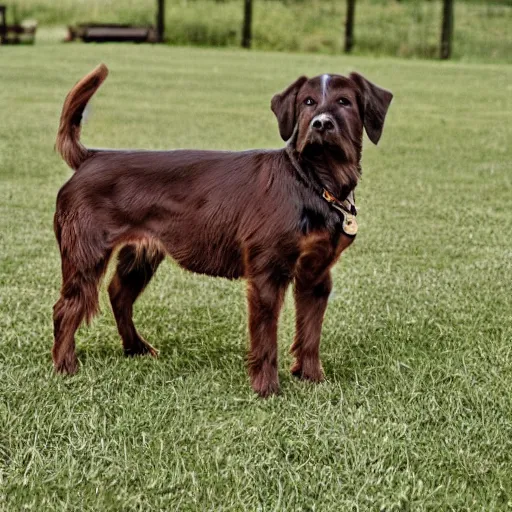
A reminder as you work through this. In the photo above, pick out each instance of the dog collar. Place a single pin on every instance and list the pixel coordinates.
(348, 211)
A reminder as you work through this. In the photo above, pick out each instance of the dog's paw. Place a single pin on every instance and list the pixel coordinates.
(312, 372)
(140, 348)
(67, 365)
(265, 387)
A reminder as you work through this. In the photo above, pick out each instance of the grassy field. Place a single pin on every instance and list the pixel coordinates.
(409, 28)
(415, 413)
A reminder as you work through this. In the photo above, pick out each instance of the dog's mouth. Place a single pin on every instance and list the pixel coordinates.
(316, 147)
(322, 138)
(316, 142)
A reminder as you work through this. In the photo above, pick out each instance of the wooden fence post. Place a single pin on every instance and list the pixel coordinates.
(447, 30)
(349, 25)
(247, 26)
(160, 20)
(3, 23)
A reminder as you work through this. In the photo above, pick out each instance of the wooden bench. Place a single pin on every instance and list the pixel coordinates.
(17, 33)
(112, 32)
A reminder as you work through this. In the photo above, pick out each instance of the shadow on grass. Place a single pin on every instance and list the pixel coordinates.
(201, 347)
(190, 341)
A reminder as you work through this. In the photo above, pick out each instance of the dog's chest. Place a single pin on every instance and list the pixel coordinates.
(318, 252)
(322, 240)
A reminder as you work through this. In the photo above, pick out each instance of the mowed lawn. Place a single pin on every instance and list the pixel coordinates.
(416, 411)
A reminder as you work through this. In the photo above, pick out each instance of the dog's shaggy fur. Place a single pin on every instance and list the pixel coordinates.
(257, 215)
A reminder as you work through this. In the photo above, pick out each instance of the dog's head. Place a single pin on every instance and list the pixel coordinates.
(323, 119)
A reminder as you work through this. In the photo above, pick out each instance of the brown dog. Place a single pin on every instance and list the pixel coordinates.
(269, 216)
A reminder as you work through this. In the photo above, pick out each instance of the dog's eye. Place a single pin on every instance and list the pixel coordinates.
(309, 101)
(344, 102)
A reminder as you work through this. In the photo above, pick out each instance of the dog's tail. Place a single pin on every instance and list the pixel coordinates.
(68, 137)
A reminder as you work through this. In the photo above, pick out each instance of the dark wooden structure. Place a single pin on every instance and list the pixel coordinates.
(17, 33)
(447, 30)
(111, 32)
(349, 26)
(160, 21)
(3, 24)
(121, 33)
(247, 24)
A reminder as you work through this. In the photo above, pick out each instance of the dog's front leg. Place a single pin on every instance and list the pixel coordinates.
(310, 304)
(265, 297)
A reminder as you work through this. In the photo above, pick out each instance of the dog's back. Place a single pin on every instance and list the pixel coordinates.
(201, 206)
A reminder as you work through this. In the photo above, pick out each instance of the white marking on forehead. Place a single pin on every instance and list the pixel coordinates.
(325, 79)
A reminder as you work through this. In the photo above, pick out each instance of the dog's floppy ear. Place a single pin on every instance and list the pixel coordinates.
(374, 103)
(283, 106)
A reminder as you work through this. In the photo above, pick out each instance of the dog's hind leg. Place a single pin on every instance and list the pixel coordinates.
(135, 269)
(78, 301)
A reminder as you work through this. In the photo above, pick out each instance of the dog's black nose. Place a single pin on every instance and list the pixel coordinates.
(322, 123)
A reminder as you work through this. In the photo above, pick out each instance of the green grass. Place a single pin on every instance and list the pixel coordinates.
(409, 28)
(415, 413)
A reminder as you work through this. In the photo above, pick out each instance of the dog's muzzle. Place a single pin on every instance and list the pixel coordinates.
(322, 123)
(323, 129)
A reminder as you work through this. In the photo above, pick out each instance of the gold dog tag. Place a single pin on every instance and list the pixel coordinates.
(349, 225)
